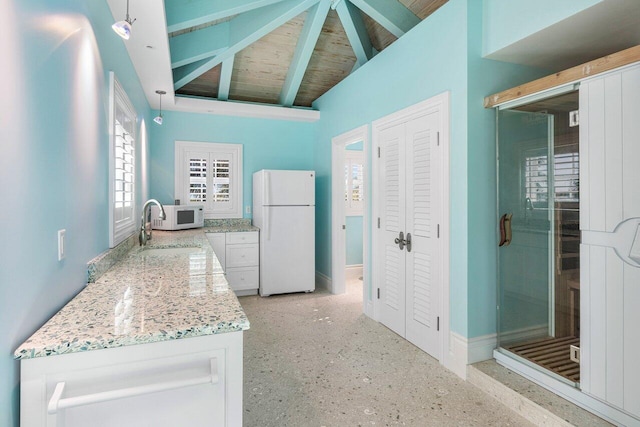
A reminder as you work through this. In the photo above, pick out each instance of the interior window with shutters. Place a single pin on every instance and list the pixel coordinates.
(354, 182)
(565, 171)
(210, 174)
(122, 165)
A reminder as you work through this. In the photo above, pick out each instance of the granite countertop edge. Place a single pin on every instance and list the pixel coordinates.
(221, 314)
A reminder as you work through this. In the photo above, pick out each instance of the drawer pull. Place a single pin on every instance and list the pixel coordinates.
(58, 403)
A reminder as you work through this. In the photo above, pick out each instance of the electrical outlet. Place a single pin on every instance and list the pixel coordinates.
(574, 353)
(61, 253)
(247, 209)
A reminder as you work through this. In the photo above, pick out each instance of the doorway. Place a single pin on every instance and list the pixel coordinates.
(350, 218)
(539, 253)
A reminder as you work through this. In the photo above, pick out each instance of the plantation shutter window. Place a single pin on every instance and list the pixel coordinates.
(354, 182)
(210, 174)
(122, 165)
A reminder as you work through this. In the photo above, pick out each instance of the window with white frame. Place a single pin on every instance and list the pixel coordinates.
(565, 171)
(354, 182)
(122, 164)
(210, 174)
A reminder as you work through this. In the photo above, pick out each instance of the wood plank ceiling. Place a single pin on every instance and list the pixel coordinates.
(273, 58)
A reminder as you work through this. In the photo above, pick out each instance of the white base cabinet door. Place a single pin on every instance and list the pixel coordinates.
(239, 255)
(190, 381)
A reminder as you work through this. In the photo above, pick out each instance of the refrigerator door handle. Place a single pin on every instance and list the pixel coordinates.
(267, 188)
(266, 222)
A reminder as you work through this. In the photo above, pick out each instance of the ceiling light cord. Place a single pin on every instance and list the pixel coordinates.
(158, 119)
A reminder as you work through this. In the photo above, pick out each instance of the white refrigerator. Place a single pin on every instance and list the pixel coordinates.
(284, 210)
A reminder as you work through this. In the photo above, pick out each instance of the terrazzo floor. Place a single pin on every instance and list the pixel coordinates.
(316, 360)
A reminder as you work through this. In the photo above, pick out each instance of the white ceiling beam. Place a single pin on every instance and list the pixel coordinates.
(391, 14)
(306, 44)
(225, 79)
(182, 14)
(356, 31)
(245, 29)
(241, 109)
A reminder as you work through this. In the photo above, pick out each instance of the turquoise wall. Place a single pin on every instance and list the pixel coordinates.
(486, 77)
(267, 144)
(507, 21)
(56, 55)
(414, 68)
(354, 240)
(451, 61)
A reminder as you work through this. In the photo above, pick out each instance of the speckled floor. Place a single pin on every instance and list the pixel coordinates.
(316, 360)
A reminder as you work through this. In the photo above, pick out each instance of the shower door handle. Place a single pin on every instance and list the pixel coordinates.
(505, 230)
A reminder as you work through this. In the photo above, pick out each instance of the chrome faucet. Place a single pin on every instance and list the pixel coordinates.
(145, 233)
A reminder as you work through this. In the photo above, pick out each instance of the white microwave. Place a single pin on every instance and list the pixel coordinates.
(178, 217)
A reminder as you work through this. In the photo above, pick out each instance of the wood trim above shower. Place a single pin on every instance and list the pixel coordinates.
(588, 69)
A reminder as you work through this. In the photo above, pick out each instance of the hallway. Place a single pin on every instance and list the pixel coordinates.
(316, 360)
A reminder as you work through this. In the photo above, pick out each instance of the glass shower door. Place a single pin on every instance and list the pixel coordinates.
(525, 209)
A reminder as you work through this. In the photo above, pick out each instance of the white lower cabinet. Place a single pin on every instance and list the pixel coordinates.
(239, 256)
(189, 381)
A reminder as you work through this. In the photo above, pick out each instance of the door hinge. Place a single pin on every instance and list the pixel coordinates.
(438, 231)
(378, 152)
(438, 324)
(378, 222)
(438, 138)
(378, 293)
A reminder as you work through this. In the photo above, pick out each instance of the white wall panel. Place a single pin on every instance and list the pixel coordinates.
(614, 324)
(596, 160)
(610, 194)
(585, 182)
(585, 318)
(612, 146)
(631, 138)
(631, 348)
(598, 313)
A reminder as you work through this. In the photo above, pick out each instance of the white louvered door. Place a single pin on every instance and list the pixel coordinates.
(423, 195)
(392, 186)
(410, 189)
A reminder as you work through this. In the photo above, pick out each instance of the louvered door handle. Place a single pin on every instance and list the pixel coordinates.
(408, 242)
(400, 241)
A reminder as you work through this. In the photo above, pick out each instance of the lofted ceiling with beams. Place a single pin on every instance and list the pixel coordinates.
(279, 52)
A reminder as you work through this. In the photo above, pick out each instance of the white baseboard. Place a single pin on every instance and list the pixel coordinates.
(354, 267)
(466, 351)
(322, 281)
(458, 355)
(481, 348)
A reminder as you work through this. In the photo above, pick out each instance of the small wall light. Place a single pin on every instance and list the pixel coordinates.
(123, 28)
(158, 118)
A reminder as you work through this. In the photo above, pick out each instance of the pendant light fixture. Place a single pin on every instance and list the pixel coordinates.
(123, 28)
(158, 118)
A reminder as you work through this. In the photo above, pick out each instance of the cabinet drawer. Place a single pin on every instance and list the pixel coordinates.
(242, 237)
(242, 255)
(243, 278)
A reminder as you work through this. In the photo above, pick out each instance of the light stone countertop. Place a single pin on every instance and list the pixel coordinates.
(231, 229)
(153, 294)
